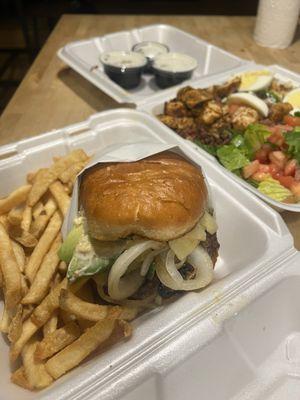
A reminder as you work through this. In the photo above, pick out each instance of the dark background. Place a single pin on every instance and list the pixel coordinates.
(26, 24)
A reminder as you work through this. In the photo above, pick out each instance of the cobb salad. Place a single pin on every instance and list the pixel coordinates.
(251, 124)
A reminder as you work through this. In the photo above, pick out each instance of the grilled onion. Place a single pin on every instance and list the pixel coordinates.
(121, 287)
(201, 262)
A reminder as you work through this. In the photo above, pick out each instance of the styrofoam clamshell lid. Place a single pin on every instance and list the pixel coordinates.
(83, 56)
(182, 344)
(156, 107)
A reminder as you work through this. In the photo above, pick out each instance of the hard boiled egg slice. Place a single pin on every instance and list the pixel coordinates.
(254, 81)
(293, 97)
(250, 100)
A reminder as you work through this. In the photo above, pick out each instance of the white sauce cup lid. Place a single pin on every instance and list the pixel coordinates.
(123, 59)
(150, 49)
(175, 62)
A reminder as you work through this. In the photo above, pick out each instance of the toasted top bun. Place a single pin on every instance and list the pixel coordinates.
(160, 197)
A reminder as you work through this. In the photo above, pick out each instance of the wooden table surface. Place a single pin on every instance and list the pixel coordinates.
(52, 95)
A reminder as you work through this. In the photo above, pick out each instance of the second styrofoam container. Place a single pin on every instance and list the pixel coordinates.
(83, 56)
(156, 107)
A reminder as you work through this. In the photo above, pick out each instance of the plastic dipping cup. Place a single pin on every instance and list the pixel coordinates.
(150, 50)
(173, 68)
(124, 67)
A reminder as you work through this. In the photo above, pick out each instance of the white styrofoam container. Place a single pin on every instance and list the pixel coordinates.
(156, 106)
(84, 55)
(237, 339)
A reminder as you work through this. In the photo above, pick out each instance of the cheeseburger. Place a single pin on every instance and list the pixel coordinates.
(144, 230)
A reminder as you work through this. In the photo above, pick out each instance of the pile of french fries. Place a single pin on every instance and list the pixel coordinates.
(52, 325)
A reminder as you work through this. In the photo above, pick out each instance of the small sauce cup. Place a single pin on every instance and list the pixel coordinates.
(173, 68)
(124, 67)
(150, 50)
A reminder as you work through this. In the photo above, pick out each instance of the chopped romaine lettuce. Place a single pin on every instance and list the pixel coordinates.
(210, 149)
(238, 140)
(231, 157)
(255, 136)
(272, 188)
(293, 141)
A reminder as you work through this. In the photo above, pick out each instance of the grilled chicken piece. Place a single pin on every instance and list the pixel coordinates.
(280, 88)
(176, 108)
(228, 87)
(194, 97)
(243, 117)
(184, 126)
(278, 111)
(211, 112)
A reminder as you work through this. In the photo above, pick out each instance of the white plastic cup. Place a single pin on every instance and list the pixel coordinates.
(276, 22)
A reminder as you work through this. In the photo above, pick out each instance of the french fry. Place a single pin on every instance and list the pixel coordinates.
(4, 221)
(50, 206)
(26, 239)
(60, 196)
(24, 285)
(84, 323)
(15, 215)
(5, 320)
(72, 171)
(43, 246)
(31, 177)
(56, 341)
(128, 313)
(34, 370)
(50, 303)
(1, 278)
(47, 176)
(18, 377)
(85, 293)
(39, 224)
(41, 283)
(82, 309)
(37, 209)
(27, 311)
(28, 330)
(67, 189)
(42, 181)
(19, 254)
(74, 353)
(15, 327)
(66, 317)
(26, 218)
(51, 325)
(10, 270)
(15, 198)
(126, 328)
(38, 318)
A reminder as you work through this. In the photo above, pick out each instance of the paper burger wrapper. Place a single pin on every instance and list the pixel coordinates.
(123, 153)
(276, 22)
